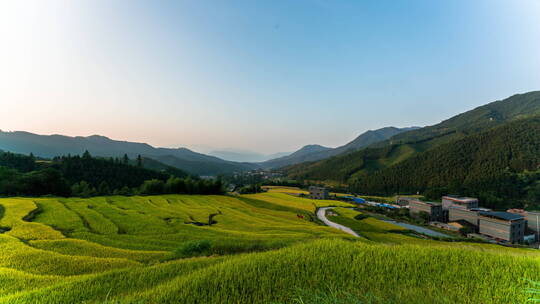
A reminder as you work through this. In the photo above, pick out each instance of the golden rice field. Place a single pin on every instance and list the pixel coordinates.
(283, 189)
(260, 248)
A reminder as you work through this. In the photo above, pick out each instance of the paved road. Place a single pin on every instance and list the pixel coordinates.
(321, 214)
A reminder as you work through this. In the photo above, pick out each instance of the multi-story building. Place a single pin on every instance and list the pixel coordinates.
(434, 210)
(505, 226)
(318, 192)
(459, 202)
(468, 215)
(533, 220)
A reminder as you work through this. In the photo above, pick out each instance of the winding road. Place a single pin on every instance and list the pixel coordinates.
(321, 214)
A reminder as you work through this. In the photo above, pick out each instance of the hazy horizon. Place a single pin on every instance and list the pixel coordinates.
(206, 149)
(258, 76)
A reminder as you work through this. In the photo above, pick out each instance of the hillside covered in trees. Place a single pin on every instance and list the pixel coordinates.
(400, 147)
(491, 152)
(501, 165)
(89, 176)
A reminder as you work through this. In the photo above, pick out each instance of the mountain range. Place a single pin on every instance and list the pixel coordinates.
(318, 152)
(49, 146)
(370, 152)
(361, 166)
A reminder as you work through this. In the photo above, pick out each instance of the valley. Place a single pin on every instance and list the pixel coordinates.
(269, 152)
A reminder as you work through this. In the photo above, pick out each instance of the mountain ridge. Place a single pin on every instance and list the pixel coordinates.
(500, 165)
(400, 147)
(318, 152)
(50, 146)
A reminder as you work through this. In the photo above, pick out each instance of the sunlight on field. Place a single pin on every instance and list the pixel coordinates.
(295, 202)
(283, 189)
(57, 250)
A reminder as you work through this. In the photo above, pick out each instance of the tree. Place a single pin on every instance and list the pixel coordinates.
(251, 189)
(139, 161)
(86, 155)
(83, 189)
(43, 182)
(125, 159)
(104, 189)
(123, 191)
(175, 185)
(153, 187)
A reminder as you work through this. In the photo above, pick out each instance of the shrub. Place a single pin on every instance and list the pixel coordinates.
(152, 187)
(361, 216)
(194, 248)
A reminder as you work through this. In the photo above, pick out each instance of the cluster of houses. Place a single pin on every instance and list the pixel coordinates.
(454, 213)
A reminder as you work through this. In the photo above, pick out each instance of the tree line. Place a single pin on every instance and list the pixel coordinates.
(86, 176)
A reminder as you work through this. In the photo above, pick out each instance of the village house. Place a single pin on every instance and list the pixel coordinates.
(318, 193)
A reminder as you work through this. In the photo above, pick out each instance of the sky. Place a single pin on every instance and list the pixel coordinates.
(266, 76)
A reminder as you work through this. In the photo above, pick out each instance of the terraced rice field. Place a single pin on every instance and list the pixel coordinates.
(305, 204)
(282, 189)
(125, 250)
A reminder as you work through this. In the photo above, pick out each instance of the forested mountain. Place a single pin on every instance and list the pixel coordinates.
(303, 154)
(155, 165)
(478, 119)
(204, 167)
(400, 147)
(501, 166)
(56, 145)
(87, 176)
(317, 152)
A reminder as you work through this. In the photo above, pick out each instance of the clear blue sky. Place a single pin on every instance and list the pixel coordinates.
(266, 76)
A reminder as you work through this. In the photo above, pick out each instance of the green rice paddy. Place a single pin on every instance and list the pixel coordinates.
(260, 248)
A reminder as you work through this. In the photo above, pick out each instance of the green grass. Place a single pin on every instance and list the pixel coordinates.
(372, 228)
(295, 202)
(146, 250)
(406, 274)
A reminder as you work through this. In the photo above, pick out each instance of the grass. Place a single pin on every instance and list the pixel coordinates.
(408, 274)
(263, 248)
(295, 202)
(372, 228)
(283, 189)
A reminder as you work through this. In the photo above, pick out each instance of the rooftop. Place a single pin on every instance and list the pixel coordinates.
(480, 209)
(507, 216)
(427, 203)
(460, 198)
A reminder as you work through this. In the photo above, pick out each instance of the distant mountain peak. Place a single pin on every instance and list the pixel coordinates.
(314, 147)
(98, 137)
(317, 152)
